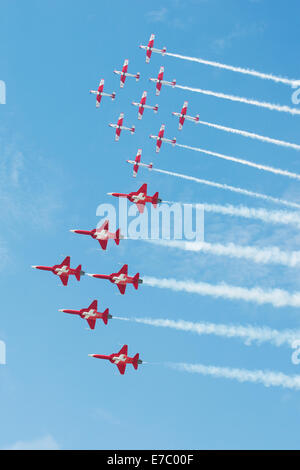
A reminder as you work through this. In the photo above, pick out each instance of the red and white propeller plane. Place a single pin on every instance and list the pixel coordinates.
(63, 270)
(121, 359)
(160, 138)
(90, 314)
(101, 234)
(99, 93)
(121, 279)
(142, 105)
(125, 74)
(160, 81)
(119, 126)
(140, 197)
(137, 163)
(149, 49)
(182, 116)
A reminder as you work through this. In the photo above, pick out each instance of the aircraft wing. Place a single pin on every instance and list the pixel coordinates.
(124, 269)
(141, 207)
(135, 170)
(66, 262)
(98, 100)
(184, 109)
(158, 88)
(122, 80)
(161, 131)
(120, 120)
(101, 86)
(151, 40)
(103, 244)
(104, 226)
(144, 97)
(122, 367)
(124, 350)
(125, 66)
(141, 112)
(158, 145)
(118, 133)
(64, 278)
(161, 74)
(122, 288)
(91, 322)
(94, 305)
(143, 189)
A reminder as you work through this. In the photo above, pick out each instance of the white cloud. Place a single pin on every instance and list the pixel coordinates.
(44, 443)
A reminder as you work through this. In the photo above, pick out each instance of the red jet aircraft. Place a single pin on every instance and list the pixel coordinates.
(182, 116)
(149, 49)
(140, 197)
(119, 126)
(125, 74)
(142, 105)
(121, 279)
(63, 270)
(137, 163)
(90, 314)
(99, 93)
(121, 359)
(160, 138)
(160, 81)
(101, 234)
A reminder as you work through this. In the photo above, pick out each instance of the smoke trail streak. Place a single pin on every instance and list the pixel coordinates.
(246, 192)
(265, 76)
(247, 333)
(275, 217)
(275, 297)
(251, 135)
(270, 169)
(260, 104)
(265, 377)
(270, 255)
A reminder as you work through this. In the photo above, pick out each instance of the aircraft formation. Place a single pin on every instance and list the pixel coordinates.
(140, 197)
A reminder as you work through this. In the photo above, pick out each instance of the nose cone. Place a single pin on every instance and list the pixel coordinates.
(61, 309)
(35, 267)
(91, 275)
(73, 230)
(91, 355)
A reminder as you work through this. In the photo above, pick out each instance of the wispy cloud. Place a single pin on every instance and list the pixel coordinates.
(43, 443)
(157, 16)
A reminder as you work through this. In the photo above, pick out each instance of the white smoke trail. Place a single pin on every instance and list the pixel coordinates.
(265, 377)
(247, 333)
(270, 255)
(275, 217)
(265, 76)
(275, 297)
(270, 169)
(246, 192)
(260, 104)
(251, 135)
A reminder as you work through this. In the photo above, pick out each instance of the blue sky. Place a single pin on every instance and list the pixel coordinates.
(58, 161)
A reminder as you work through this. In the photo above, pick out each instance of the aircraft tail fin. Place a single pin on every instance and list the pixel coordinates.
(78, 272)
(135, 361)
(117, 236)
(135, 281)
(105, 316)
(155, 200)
